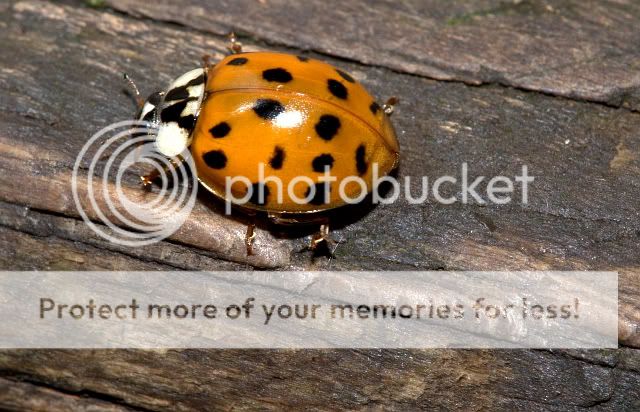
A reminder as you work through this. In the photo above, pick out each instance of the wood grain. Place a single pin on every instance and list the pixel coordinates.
(580, 49)
(21, 396)
(192, 380)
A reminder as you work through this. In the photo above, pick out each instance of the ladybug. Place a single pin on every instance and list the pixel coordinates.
(279, 121)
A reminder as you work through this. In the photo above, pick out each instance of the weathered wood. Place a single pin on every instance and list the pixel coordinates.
(207, 228)
(33, 240)
(581, 49)
(60, 75)
(21, 396)
(193, 380)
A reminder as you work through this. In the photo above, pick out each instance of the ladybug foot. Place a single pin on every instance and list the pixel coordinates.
(249, 238)
(389, 106)
(234, 46)
(147, 180)
(167, 170)
(324, 238)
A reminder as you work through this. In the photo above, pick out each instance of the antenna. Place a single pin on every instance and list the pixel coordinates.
(136, 92)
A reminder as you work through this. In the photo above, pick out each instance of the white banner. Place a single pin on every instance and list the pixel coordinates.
(308, 309)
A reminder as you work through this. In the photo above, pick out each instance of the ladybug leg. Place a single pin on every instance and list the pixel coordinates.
(148, 179)
(234, 45)
(323, 236)
(249, 238)
(206, 61)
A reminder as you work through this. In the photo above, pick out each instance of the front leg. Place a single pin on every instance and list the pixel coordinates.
(148, 179)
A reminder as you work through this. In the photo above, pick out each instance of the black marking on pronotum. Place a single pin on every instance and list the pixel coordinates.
(215, 159)
(238, 61)
(375, 107)
(268, 109)
(182, 92)
(337, 89)
(187, 122)
(346, 76)
(361, 163)
(172, 113)
(196, 81)
(220, 130)
(327, 126)
(320, 163)
(303, 59)
(178, 93)
(259, 194)
(278, 158)
(278, 75)
(318, 197)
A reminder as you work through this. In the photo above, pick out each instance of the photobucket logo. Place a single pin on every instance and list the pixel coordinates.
(498, 190)
(132, 216)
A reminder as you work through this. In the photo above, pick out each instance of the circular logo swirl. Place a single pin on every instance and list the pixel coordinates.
(119, 154)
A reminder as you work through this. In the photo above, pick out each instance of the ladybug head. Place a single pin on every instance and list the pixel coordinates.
(174, 111)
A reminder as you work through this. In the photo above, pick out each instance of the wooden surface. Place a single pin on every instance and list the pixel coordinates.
(583, 49)
(60, 75)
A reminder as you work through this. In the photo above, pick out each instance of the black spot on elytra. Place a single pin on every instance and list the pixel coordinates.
(215, 159)
(321, 162)
(178, 93)
(337, 89)
(327, 126)
(375, 107)
(238, 61)
(303, 59)
(220, 130)
(361, 163)
(346, 76)
(268, 109)
(277, 158)
(259, 194)
(318, 197)
(278, 75)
